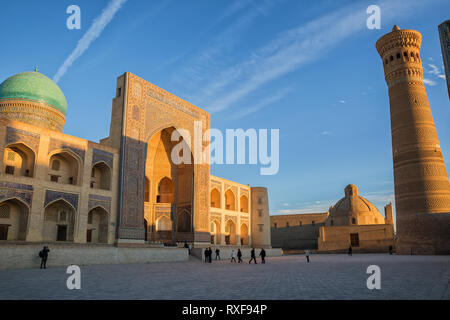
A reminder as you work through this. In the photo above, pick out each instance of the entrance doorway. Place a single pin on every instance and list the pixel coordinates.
(61, 233)
(89, 235)
(354, 239)
(4, 231)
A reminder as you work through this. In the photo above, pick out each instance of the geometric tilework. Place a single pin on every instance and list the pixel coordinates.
(100, 155)
(51, 195)
(57, 144)
(96, 200)
(14, 135)
(16, 190)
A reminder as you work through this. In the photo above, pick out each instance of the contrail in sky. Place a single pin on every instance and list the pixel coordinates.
(93, 33)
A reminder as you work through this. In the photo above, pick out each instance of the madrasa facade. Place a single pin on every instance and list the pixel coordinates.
(126, 189)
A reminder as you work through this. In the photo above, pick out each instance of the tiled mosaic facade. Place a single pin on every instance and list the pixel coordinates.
(63, 182)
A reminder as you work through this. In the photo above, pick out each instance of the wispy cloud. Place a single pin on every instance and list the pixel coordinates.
(429, 82)
(289, 51)
(277, 96)
(435, 71)
(224, 39)
(214, 58)
(93, 33)
(307, 208)
(378, 198)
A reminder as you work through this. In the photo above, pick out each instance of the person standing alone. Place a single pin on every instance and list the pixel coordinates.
(307, 255)
(43, 254)
(217, 254)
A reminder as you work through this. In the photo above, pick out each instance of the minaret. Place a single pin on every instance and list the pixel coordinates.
(422, 187)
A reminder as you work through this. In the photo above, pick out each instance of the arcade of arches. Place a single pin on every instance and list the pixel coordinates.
(168, 191)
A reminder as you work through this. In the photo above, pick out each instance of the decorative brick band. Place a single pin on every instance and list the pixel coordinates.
(32, 112)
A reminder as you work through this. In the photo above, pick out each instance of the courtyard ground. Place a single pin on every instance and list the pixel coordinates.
(287, 277)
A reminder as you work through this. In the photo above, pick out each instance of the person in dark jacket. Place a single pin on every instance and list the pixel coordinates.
(350, 250)
(206, 253)
(390, 250)
(43, 254)
(217, 254)
(252, 256)
(187, 247)
(209, 255)
(263, 255)
(239, 255)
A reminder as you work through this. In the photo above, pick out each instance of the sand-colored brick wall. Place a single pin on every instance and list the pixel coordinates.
(371, 237)
(292, 220)
(33, 191)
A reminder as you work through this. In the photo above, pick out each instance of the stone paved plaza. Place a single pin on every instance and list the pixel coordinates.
(288, 277)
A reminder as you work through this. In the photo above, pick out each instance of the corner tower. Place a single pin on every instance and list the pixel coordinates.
(260, 220)
(422, 190)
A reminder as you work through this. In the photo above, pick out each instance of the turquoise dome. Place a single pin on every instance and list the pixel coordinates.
(34, 86)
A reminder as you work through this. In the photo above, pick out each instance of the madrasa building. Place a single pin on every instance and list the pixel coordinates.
(125, 190)
(353, 221)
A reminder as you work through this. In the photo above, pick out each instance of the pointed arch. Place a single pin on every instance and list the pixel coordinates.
(59, 221)
(101, 176)
(163, 223)
(165, 191)
(60, 199)
(69, 168)
(230, 200)
(215, 231)
(243, 201)
(230, 232)
(244, 234)
(97, 225)
(19, 159)
(215, 198)
(14, 217)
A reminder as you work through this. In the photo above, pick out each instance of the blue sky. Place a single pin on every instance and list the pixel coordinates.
(307, 68)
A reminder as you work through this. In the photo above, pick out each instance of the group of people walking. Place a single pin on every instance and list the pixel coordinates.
(208, 255)
(235, 254)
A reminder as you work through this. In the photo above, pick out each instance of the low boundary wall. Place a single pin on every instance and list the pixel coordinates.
(25, 256)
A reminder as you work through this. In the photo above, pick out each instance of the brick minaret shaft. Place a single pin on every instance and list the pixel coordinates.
(420, 177)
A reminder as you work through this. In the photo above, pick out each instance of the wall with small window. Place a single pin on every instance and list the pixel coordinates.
(64, 167)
